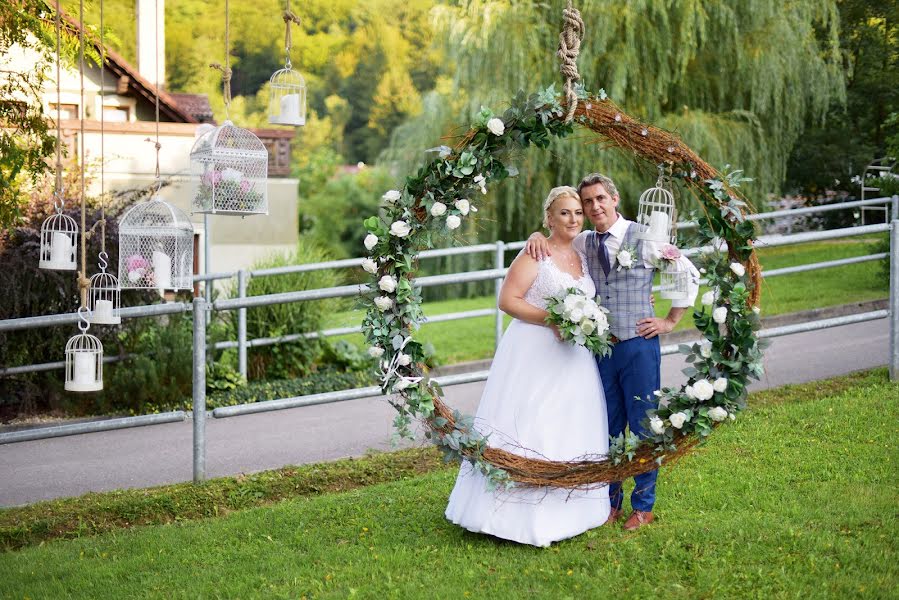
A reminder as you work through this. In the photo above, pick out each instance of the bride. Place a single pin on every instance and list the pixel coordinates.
(543, 399)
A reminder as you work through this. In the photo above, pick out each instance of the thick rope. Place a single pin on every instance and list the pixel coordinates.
(59, 199)
(569, 47)
(158, 83)
(102, 134)
(83, 282)
(289, 17)
(226, 69)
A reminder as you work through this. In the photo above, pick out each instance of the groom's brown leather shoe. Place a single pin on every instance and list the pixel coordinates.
(637, 519)
(614, 515)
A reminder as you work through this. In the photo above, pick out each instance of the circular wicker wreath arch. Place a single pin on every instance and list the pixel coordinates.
(438, 197)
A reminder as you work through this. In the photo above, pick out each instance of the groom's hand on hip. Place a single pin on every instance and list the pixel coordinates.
(537, 246)
(650, 327)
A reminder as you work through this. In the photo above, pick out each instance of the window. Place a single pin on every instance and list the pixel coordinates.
(66, 111)
(116, 114)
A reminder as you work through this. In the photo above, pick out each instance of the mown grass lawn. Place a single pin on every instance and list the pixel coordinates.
(473, 339)
(795, 499)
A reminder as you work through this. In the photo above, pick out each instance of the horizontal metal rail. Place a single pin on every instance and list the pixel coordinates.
(805, 210)
(40, 433)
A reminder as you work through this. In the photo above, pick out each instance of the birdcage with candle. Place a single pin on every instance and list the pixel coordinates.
(105, 297)
(59, 237)
(287, 98)
(657, 215)
(229, 168)
(674, 281)
(156, 247)
(84, 359)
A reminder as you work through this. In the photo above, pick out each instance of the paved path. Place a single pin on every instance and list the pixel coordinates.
(161, 454)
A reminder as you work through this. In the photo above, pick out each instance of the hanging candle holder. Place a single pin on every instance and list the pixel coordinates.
(105, 296)
(674, 280)
(156, 247)
(59, 235)
(84, 359)
(656, 215)
(287, 88)
(230, 172)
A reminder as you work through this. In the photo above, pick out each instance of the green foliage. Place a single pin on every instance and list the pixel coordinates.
(222, 377)
(295, 359)
(733, 79)
(328, 379)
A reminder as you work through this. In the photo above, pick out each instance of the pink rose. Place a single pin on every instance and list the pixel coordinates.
(135, 262)
(245, 186)
(669, 252)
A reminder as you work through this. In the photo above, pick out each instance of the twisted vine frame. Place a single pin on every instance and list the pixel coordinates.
(442, 193)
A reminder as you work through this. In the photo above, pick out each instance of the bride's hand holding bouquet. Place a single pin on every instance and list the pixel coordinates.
(580, 320)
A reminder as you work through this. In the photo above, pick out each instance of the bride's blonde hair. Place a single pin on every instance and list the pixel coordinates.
(555, 194)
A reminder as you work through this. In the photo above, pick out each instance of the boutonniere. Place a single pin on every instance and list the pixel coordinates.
(626, 257)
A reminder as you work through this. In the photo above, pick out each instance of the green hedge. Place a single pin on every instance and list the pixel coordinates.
(327, 380)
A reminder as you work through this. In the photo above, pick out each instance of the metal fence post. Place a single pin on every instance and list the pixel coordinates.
(208, 284)
(499, 264)
(895, 216)
(242, 324)
(199, 390)
(894, 299)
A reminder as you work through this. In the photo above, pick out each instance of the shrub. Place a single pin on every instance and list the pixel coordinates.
(295, 359)
(328, 379)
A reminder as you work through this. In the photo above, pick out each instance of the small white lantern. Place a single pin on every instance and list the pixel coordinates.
(656, 215)
(229, 168)
(156, 247)
(84, 360)
(105, 296)
(287, 98)
(675, 280)
(59, 241)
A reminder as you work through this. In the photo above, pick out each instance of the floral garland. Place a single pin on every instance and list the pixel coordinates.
(443, 192)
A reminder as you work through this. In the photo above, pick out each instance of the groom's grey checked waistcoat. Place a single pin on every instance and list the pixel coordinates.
(624, 292)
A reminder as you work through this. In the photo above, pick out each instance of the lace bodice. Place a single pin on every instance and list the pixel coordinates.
(551, 279)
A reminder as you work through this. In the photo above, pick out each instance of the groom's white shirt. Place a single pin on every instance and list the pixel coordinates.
(613, 244)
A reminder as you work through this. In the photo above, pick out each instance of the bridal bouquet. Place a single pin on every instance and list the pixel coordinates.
(580, 320)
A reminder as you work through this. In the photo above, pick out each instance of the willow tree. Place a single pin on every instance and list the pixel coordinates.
(733, 79)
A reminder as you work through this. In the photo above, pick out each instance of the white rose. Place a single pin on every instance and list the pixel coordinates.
(391, 196)
(403, 383)
(463, 206)
(717, 414)
(588, 326)
(689, 391)
(625, 259)
(719, 315)
(369, 265)
(383, 302)
(387, 284)
(756, 310)
(453, 222)
(371, 240)
(732, 416)
(403, 359)
(705, 348)
(570, 301)
(708, 298)
(400, 229)
(738, 269)
(496, 126)
(677, 420)
(231, 175)
(576, 315)
(376, 351)
(437, 209)
(720, 384)
(657, 425)
(703, 390)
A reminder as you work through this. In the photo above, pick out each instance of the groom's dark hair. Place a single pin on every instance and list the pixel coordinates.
(593, 179)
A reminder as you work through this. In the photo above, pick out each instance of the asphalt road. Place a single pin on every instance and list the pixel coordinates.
(161, 454)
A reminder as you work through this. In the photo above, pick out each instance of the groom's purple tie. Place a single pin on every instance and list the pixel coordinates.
(604, 253)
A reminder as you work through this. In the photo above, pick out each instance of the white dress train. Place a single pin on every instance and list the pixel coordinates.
(543, 399)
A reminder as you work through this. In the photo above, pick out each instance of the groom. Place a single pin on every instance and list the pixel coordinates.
(632, 372)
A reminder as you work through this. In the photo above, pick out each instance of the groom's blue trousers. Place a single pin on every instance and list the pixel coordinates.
(629, 377)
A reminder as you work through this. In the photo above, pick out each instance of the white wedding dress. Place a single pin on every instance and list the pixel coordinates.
(543, 399)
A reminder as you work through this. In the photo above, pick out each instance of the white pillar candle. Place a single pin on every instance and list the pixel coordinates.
(85, 368)
(103, 311)
(658, 224)
(60, 248)
(162, 269)
(290, 109)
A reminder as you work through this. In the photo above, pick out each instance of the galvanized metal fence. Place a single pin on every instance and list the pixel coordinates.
(202, 305)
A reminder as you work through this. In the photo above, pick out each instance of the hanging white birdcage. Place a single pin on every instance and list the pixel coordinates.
(287, 98)
(105, 296)
(674, 280)
(657, 216)
(59, 241)
(156, 247)
(229, 168)
(84, 359)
